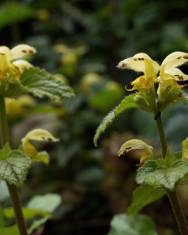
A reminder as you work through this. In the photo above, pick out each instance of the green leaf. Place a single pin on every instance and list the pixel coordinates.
(162, 173)
(43, 85)
(2, 217)
(132, 225)
(15, 167)
(48, 202)
(11, 13)
(143, 196)
(28, 213)
(4, 152)
(127, 103)
(39, 206)
(37, 223)
(11, 230)
(10, 87)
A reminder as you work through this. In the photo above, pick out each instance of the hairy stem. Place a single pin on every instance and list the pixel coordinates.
(178, 212)
(172, 196)
(12, 189)
(161, 134)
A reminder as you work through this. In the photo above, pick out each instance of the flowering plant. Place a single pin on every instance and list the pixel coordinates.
(158, 87)
(19, 77)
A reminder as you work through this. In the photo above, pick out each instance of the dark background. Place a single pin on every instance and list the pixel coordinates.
(83, 40)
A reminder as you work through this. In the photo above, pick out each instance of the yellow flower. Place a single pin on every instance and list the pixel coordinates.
(30, 149)
(16, 107)
(141, 62)
(168, 86)
(69, 54)
(169, 70)
(144, 149)
(170, 75)
(89, 80)
(141, 83)
(12, 62)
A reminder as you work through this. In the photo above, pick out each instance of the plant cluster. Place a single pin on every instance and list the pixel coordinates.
(80, 42)
(158, 87)
(18, 77)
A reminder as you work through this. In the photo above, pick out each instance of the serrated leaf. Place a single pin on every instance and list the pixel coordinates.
(14, 169)
(143, 196)
(43, 85)
(11, 13)
(162, 173)
(11, 88)
(132, 225)
(127, 103)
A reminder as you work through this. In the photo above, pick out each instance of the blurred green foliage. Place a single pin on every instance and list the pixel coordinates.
(122, 224)
(38, 210)
(82, 41)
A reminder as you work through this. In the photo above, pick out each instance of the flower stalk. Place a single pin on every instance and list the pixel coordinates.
(157, 87)
(12, 189)
(172, 195)
(161, 134)
(178, 212)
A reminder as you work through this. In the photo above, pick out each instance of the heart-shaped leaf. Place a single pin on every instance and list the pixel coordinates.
(162, 173)
(44, 85)
(14, 168)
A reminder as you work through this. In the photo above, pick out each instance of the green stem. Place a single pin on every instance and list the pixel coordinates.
(172, 196)
(178, 212)
(4, 125)
(161, 134)
(12, 188)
